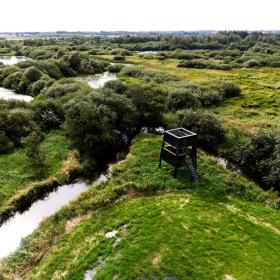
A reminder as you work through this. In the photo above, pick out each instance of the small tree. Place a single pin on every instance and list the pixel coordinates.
(35, 154)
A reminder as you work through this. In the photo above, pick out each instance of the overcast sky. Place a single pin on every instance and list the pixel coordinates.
(138, 15)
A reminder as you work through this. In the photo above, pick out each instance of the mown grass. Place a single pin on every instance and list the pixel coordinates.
(223, 225)
(15, 173)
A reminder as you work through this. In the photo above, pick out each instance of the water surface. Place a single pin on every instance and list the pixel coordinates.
(98, 80)
(10, 60)
(7, 94)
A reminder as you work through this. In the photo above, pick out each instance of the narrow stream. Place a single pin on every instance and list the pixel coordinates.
(23, 224)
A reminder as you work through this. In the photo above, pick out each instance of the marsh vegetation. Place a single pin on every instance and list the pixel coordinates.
(91, 96)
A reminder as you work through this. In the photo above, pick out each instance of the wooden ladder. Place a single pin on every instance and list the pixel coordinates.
(193, 171)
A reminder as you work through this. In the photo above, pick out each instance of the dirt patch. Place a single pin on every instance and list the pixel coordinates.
(229, 277)
(183, 202)
(156, 260)
(76, 221)
(185, 226)
(232, 208)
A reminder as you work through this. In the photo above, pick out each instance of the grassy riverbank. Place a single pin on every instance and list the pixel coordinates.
(222, 228)
(15, 173)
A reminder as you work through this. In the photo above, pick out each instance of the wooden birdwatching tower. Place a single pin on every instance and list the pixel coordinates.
(179, 148)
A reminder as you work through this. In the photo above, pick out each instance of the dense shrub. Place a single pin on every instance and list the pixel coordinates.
(209, 98)
(193, 64)
(119, 58)
(17, 82)
(201, 64)
(48, 114)
(117, 86)
(209, 130)
(35, 153)
(59, 90)
(121, 52)
(147, 75)
(97, 123)
(33, 74)
(150, 103)
(6, 145)
(89, 66)
(75, 61)
(15, 124)
(182, 98)
(228, 89)
(36, 87)
(93, 52)
(251, 63)
(260, 156)
(6, 71)
(19, 123)
(115, 68)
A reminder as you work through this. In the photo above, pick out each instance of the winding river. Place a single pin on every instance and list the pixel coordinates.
(23, 224)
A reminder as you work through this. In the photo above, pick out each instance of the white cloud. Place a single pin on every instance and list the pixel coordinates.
(90, 15)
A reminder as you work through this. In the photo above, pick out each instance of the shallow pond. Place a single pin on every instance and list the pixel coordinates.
(98, 80)
(7, 94)
(10, 60)
(23, 224)
(147, 52)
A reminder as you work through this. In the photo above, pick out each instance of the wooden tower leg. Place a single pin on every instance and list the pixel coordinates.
(194, 155)
(175, 171)
(160, 159)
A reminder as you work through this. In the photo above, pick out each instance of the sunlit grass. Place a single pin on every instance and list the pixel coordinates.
(167, 226)
(15, 173)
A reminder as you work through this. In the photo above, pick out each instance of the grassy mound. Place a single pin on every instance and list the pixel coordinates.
(145, 224)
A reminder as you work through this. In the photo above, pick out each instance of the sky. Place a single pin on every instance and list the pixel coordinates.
(138, 15)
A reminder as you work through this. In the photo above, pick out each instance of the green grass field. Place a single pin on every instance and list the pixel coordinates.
(15, 175)
(256, 108)
(221, 228)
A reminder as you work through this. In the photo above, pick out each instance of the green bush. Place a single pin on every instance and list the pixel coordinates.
(59, 90)
(147, 75)
(114, 68)
(6, 145)
(251, 63)
(48, 114)
(182, 98)
(228, 89)
(260, 156)
(117, 86)
(35, 88)
(33, 74)
(210, 98)
(150, 103)
(97, 123)
(119, 58)
(209, 130)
